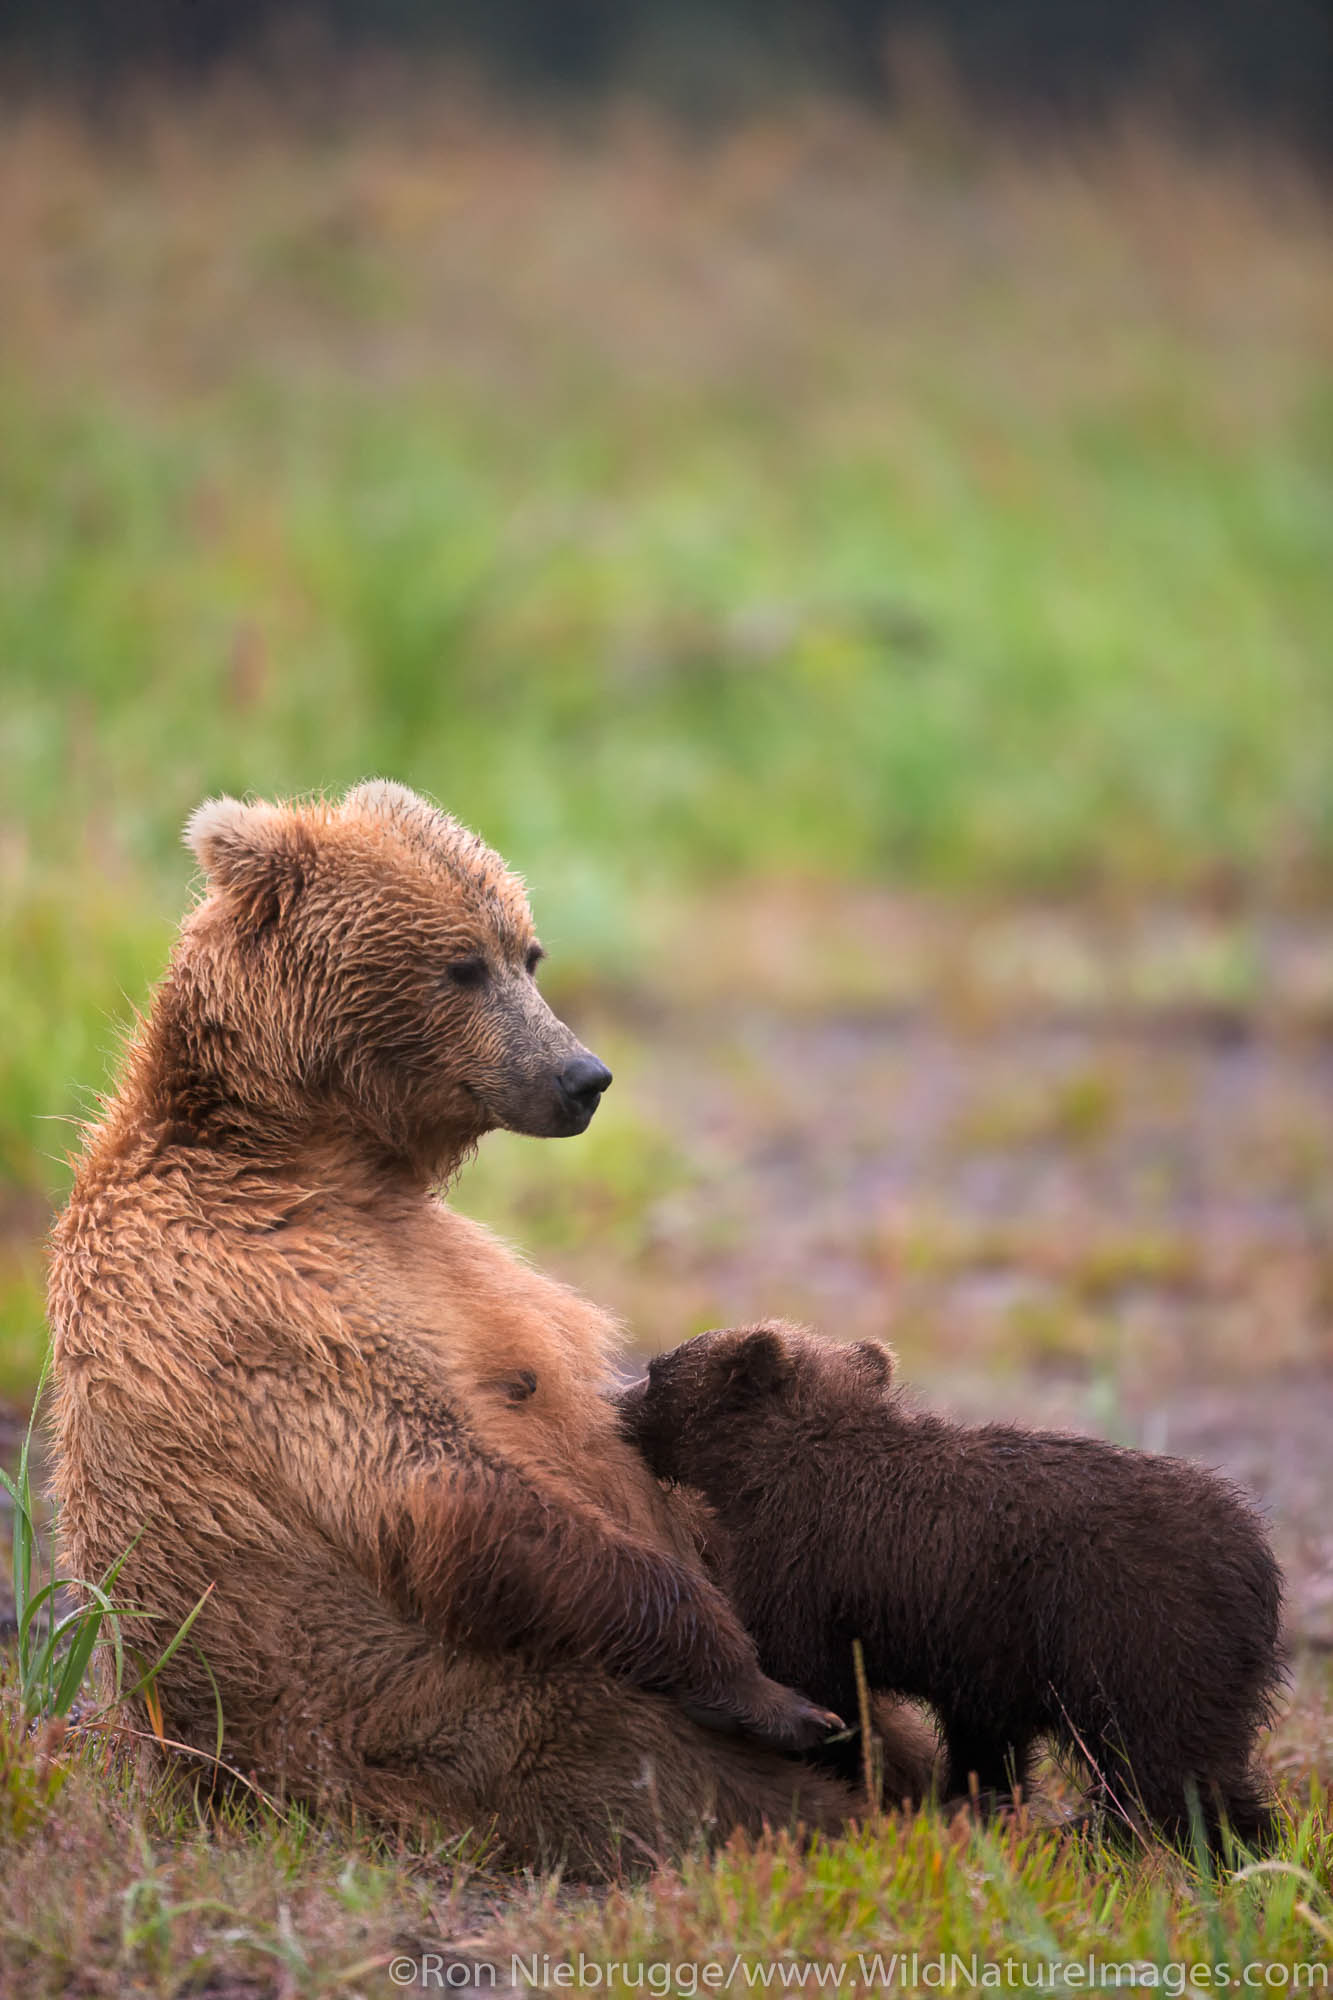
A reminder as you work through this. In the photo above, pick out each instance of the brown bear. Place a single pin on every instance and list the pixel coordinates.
(280, 1370)
(1026, 1585)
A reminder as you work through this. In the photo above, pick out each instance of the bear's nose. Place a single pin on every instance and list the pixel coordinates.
(584, 1080)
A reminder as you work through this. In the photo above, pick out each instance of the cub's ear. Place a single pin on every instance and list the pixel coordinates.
(757, 1369)
(874, 1363)
(257, 853)
(630, 1404)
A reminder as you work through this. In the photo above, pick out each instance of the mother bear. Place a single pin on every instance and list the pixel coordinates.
(287, 1373)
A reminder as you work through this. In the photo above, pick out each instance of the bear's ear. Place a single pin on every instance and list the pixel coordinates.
(757, 1369)
(873, 1363)
(382, 798)
(395, 805)
(256, 853)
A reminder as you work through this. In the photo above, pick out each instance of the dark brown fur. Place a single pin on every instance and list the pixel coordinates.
(1026, 1585)
(287, 1368)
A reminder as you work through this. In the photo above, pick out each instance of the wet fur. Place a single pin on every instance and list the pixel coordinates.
(1027, 1585)
(277, 1359)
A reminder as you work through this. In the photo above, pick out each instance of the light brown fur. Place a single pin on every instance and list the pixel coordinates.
(280, 1361)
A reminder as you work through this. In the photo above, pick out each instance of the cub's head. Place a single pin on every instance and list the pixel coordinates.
(701, 1402)
(374, 960)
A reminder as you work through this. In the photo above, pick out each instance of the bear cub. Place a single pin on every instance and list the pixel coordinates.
(1027, 1585)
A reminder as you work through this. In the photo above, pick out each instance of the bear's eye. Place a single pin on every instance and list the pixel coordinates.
(534, 958)
(467, 971)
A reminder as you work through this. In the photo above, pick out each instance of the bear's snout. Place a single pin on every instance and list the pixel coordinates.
(581, 1083)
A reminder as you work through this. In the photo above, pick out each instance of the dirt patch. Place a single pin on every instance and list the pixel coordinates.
(1119, 1226)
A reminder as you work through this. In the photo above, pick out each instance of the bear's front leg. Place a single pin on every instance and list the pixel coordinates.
(497, 1564)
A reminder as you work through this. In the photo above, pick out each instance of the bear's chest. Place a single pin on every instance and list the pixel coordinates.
(526, 1359)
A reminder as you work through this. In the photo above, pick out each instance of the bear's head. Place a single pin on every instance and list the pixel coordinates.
(690, 1411)
(372, 963)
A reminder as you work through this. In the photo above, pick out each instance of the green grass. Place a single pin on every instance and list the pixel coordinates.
(62, 1622)
(22, 1324)
(718, 644)
(810, 508)
(926, 1886)
(163, 1899)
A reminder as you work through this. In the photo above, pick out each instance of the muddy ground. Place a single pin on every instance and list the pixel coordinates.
(1121, 1227)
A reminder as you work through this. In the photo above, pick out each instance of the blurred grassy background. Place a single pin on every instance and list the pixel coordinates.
(877, 583)
(742, 534)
